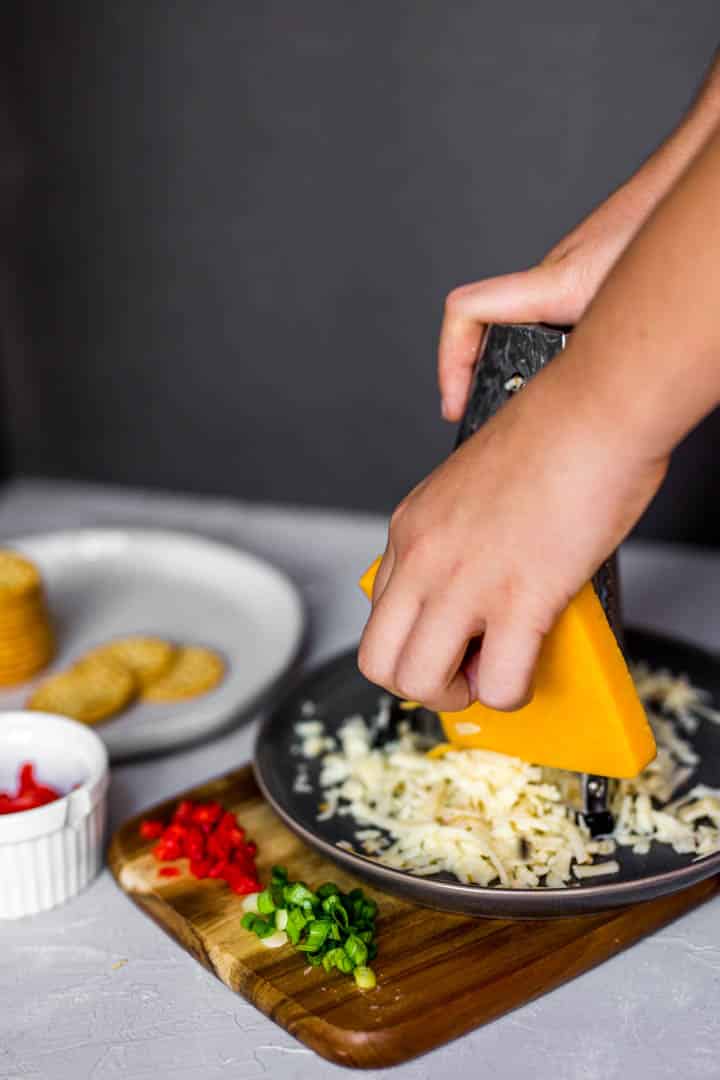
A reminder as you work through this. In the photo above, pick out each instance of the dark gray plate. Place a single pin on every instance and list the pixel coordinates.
(339, 690)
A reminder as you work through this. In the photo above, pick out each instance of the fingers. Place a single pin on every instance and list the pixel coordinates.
(420, 652)
(535, 295)
(500, 673)
(428, 669)
(393, 617)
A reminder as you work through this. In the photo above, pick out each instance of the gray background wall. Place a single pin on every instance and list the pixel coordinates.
(240, 220)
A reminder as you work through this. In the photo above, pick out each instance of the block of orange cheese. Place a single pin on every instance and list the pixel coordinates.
(585, 714)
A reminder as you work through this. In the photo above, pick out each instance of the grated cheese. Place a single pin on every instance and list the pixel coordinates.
(490, 819)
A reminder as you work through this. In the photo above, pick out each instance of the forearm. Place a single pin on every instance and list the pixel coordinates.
(620, 216)
(664, 167)
(644, 361)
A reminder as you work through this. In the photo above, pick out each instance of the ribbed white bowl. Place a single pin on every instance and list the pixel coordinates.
(49, 854)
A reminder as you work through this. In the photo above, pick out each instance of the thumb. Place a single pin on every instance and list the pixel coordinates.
(535, 295)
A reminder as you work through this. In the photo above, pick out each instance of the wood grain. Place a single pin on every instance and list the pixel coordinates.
(439, 975)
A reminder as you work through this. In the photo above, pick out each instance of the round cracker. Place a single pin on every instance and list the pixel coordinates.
(19, 577)
(16, 635)
(19, 678)
(14, 674)
(147, 657)
(196, 670)
(24, 664)
(23, 650)
(22, 611)
(92, 690)
(25, 645)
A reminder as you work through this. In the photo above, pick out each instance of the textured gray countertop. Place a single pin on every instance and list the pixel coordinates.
(95, 990)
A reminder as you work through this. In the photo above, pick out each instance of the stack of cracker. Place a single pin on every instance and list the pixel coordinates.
(26, 637)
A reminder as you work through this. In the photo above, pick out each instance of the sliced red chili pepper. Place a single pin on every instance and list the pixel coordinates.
(200, 868)
(184, 813)
(167, 850)
(43, 794)
(195, 843)
(168, 871)
(27, 777)
(240, 882)
(30, 794)
(216, 846)
(176, 831)
(151, 830)
(207, 814)
(213, 841)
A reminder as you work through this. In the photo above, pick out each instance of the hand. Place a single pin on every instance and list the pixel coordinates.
(557, 291)
(491, 547)
(494, 544)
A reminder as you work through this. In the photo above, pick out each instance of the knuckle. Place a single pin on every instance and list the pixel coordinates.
(456, 299)
(398, 516)
(419, 547)
(516, 602)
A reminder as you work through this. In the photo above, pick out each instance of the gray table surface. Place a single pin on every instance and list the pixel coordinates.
(95, 990)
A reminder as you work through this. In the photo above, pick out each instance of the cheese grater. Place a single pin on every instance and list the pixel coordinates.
(511, 356)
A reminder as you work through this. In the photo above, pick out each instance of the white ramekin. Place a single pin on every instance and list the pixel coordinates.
(49, 854)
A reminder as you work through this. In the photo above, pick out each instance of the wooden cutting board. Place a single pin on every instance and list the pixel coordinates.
(439, 975)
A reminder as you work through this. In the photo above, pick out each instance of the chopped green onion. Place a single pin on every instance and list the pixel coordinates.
(328, 889)
(338, 958)
(298, 893)
(265, 904)
(317, 932)
(332, 928)
(276, 940)
(249, 902)
(281, 918)
(296, 923)
(356, 950)
(333, 905)
(262, 927)
(365, 978)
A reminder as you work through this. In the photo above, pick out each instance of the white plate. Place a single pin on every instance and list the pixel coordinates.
(103, 583)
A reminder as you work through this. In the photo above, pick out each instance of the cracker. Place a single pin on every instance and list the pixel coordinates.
(23, 610)
(28, 662)
(195, 671)
(92, 690)
(23, 656)
(29, 642)
(18, 676)
(19, 577)
(147, 657)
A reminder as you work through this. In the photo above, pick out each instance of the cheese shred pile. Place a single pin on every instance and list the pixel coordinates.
(489, 819)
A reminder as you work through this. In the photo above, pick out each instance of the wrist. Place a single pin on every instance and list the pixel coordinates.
(602, 402)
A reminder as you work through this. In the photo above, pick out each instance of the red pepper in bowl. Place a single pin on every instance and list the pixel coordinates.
(29, 795)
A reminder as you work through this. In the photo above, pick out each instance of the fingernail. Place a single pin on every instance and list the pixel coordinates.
(445, 409)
